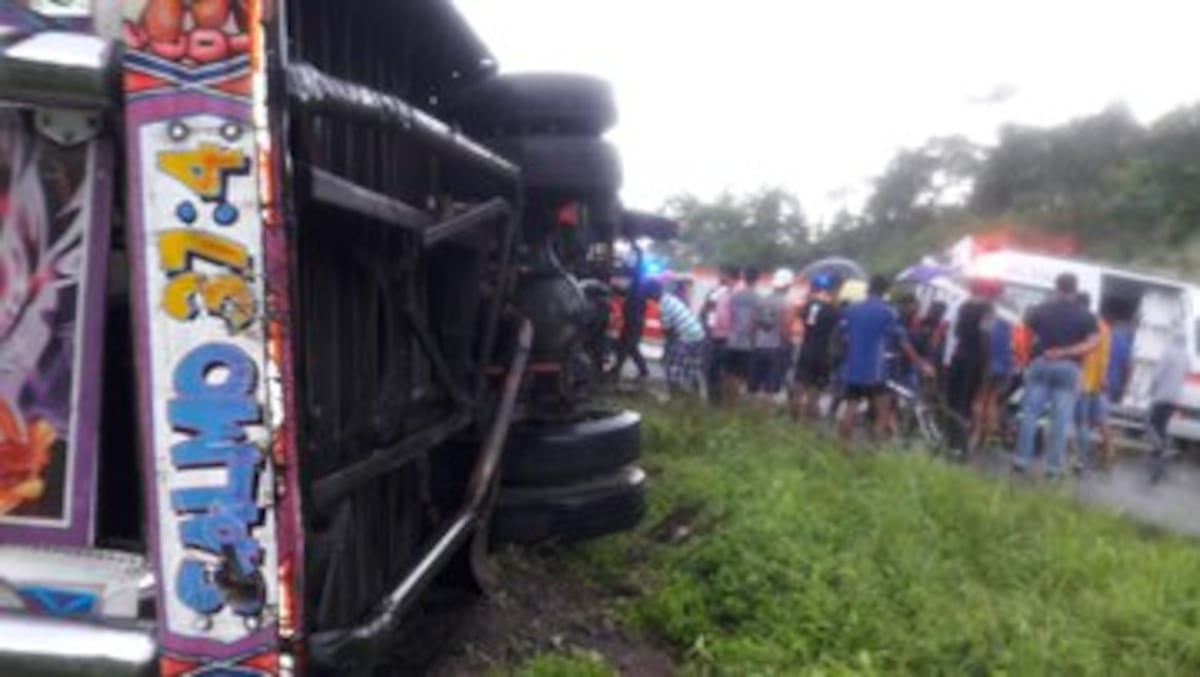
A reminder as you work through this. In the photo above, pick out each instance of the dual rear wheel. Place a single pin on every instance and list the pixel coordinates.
(570, 481)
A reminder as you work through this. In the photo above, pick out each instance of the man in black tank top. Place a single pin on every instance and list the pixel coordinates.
(819, 317)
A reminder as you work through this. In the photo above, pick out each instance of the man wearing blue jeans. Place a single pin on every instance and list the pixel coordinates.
(1064, 331)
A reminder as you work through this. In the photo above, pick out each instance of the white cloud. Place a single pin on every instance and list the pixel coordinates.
(817, 96)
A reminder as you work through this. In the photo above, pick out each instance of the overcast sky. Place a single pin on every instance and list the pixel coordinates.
(816, 95)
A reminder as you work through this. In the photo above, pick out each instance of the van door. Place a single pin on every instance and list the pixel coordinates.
(1162, 311)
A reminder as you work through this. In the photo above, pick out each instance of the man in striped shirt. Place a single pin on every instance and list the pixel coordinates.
(684, 354)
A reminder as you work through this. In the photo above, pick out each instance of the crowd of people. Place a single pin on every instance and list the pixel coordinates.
(838, 358)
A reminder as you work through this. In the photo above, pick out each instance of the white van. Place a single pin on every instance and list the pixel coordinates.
(1160, 305)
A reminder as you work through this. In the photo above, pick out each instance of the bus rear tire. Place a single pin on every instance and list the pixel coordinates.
(551, 454)
(571, 513)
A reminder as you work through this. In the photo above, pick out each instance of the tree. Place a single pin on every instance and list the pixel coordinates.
(920, 181)
(1056, 177)
(766, 228)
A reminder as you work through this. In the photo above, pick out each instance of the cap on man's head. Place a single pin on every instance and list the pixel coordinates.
(823, 282)
(783, 279)
(1066, 283)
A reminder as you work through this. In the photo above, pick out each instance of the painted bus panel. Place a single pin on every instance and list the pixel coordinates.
(55, 201)
(210, 313)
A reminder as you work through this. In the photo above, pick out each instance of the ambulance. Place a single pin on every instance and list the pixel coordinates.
(1158, 305)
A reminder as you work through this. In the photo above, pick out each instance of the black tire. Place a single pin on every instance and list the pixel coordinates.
(572, 513)
(573, 165)
(548, 454)
(536, 103)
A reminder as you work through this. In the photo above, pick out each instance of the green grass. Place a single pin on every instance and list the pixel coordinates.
(807, 561)
(565, 665)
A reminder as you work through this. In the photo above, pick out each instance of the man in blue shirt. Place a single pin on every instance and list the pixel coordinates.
(867, 327)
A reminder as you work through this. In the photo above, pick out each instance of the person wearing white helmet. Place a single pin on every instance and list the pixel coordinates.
(770, 337)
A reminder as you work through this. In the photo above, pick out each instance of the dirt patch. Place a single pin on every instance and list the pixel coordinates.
(539, 609)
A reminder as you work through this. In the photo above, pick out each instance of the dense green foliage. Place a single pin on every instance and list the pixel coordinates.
(1118, 189)
(803, 560)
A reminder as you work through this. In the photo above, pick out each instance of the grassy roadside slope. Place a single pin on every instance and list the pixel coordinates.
(802, 560)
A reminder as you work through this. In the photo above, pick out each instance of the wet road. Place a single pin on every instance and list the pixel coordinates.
(1172, 504)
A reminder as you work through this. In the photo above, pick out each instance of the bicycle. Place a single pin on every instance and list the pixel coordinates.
(922, 416)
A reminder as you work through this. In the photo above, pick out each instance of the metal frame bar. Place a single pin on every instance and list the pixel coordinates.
(312, 90)
(505, 283)
(332, 190)
(440, 369)
(456, 226)
(329, 189)
(331, 488)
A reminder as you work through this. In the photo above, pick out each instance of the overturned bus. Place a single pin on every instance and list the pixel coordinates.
(292, 328)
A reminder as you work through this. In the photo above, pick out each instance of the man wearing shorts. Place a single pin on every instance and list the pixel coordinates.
(743, 318)
(867, 326)
(819, 318)
(769, 329)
